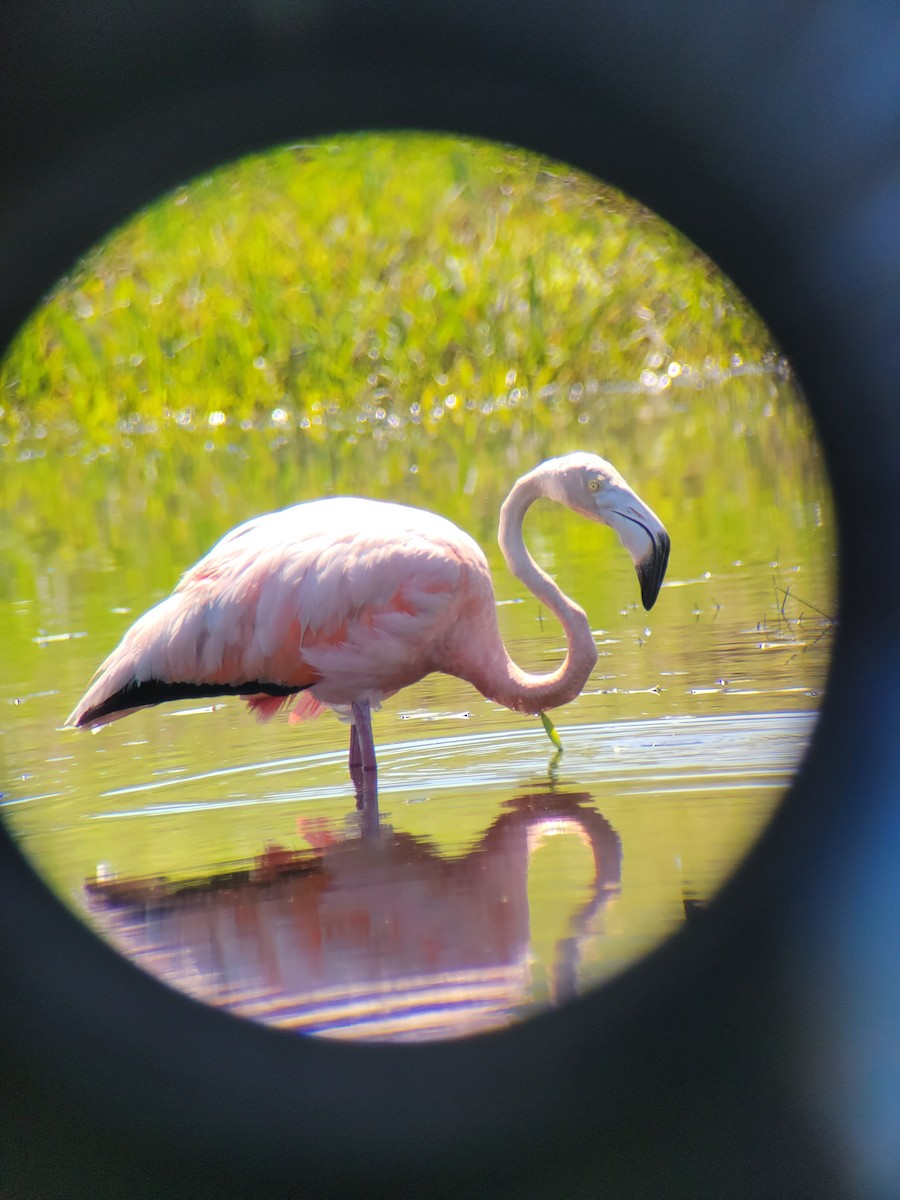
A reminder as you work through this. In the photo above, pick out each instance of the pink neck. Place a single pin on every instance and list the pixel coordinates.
(502, 680)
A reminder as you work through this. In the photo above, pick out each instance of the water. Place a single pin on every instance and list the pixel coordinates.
(356, 931)
(228, 858)
(562, 869)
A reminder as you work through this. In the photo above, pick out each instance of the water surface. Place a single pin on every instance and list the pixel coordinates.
(228, 857)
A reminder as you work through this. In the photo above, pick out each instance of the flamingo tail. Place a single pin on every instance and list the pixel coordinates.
(264, 698)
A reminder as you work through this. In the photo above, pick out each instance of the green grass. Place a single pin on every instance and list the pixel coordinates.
(371, 286)
(408, 316)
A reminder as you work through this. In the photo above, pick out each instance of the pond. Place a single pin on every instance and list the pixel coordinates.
(500, 876)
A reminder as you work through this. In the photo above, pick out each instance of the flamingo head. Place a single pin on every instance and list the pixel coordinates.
(591, 486)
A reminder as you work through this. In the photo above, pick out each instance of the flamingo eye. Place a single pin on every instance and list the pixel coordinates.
(594, 485)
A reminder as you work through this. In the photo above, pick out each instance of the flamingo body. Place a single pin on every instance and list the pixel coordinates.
(349, 598)
(343, 601)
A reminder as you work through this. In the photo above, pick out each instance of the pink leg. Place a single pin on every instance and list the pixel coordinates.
(355, 762)
(363, 767)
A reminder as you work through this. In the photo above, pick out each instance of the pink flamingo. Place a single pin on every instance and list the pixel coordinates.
(345, 601)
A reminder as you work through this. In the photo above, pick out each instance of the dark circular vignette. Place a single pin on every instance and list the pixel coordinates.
(750, 1055)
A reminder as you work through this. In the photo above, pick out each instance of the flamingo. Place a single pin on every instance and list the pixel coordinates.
(341, 602)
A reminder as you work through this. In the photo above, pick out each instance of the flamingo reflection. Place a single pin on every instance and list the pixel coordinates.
(370, 932)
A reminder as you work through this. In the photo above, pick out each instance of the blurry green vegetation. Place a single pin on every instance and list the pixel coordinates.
(406, 316)
(364, 286)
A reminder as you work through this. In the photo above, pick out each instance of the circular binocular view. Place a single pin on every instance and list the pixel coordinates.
(418, 585)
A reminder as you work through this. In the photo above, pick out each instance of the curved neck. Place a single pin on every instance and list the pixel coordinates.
(506, 682)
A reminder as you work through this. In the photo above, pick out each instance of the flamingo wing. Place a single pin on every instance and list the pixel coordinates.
(344, 597)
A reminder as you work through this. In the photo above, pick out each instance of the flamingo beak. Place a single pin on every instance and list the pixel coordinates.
(644, 537)
(651, 569)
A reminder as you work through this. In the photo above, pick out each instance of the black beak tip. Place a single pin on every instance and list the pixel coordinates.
(652, 570)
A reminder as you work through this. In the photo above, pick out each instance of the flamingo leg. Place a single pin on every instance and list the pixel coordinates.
(363, 767)
(355, 760)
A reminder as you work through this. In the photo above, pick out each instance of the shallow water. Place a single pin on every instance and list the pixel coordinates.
(228, 857)
(352, 931)
(559, 872)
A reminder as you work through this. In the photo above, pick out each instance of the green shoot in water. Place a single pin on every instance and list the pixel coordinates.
(550, 729)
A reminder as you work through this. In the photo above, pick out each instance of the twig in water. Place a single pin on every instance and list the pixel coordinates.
(805, 603)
